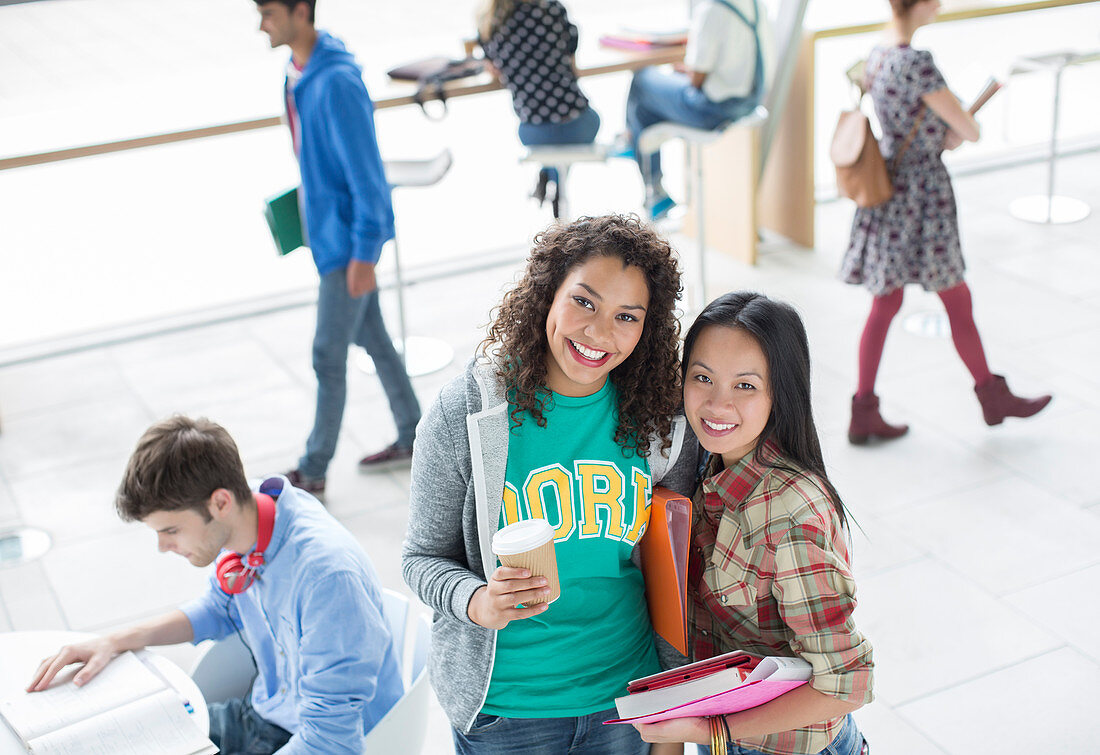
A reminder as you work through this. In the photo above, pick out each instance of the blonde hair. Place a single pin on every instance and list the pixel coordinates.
(493, 13)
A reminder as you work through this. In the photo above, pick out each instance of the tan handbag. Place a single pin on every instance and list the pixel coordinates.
(861, 172)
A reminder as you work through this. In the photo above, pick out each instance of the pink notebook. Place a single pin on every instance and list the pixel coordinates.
(724, 684)
(731, 701)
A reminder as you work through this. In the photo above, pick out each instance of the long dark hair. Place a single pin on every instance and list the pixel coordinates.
(779, 331)
(648, 381)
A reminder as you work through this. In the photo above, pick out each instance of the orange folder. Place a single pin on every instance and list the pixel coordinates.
(664, 565)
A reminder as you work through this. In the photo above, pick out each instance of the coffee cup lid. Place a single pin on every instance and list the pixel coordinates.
(522, 536)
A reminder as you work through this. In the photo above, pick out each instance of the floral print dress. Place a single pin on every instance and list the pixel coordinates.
(913, 237)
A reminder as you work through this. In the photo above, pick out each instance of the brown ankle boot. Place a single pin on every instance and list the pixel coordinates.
(867, 423)
(999, 402)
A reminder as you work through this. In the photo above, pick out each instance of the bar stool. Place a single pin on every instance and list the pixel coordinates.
(561, 157)
(1050, 208)
(650, 141)
(422, 355)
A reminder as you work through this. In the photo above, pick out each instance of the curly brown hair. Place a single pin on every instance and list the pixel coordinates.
(648, 382)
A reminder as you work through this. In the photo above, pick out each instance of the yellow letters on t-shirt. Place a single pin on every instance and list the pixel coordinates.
(600, 489)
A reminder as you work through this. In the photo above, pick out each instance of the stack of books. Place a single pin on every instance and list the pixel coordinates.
(724, 684)
(638, 38)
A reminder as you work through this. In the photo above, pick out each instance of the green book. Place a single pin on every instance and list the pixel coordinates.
(284, 218)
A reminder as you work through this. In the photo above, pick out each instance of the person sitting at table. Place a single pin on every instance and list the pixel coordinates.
(530, 46)
(290, 581)
(729, 50)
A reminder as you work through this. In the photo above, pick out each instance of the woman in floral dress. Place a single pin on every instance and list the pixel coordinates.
(914, 237)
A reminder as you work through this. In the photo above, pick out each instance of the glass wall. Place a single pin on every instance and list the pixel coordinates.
(140, 239)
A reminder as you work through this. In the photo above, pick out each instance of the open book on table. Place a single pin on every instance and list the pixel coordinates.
(724, 684)
(126, 708)
(641, 37)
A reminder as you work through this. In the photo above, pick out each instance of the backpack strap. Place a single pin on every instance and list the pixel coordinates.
(754, 25)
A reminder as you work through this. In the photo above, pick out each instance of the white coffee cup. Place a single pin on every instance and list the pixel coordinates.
(529, 544)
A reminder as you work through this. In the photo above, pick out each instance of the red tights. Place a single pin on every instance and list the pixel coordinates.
(963, 332)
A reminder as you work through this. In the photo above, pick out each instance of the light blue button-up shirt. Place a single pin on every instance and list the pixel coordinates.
(313, 621)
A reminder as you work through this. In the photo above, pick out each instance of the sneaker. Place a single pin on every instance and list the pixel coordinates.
(315, 486)
(390, 457)
(659, 209)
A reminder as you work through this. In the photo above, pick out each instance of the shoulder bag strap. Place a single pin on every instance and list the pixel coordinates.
(754, 26)
(870, 78)
(430, 89)
(732, 7)
(909, 139)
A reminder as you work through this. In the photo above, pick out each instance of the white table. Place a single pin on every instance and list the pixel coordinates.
(21, 652)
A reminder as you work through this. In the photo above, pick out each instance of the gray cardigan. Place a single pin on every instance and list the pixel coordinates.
(458, 467)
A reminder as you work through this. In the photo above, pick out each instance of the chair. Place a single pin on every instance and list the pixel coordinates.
(737, 229)
(651, 139)
(395, 606)
(404, 728)
(561, 157)
(224, 670)
(421, 355)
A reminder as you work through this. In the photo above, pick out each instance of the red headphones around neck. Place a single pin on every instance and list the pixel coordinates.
(234, 575)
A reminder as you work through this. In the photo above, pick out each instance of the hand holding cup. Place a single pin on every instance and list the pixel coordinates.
(527, 581)
(499, 602)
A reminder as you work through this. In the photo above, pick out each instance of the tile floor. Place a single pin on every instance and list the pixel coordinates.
(977, 551)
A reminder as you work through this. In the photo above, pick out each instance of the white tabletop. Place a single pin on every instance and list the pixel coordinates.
(23, 651)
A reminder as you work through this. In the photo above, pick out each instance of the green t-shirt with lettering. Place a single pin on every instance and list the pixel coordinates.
(577, 657)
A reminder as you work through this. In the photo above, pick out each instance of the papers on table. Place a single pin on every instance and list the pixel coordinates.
(126, 708)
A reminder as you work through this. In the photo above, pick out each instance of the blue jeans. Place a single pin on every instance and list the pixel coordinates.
(581, 735)
(341, 321)
(238, 730)
(580, 130)
(657, 96)
(848, 741)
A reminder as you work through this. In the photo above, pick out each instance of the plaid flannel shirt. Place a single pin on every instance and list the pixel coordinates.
(769, 574)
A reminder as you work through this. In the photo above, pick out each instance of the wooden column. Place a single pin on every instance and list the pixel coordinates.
(787, 189)
(730, 166)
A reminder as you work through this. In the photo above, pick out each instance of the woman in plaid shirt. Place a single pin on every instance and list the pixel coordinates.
(769, 570)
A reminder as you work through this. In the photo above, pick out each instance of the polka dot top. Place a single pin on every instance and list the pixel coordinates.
(533, 50)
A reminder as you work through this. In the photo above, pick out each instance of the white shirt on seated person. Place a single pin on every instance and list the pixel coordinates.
(723, 47)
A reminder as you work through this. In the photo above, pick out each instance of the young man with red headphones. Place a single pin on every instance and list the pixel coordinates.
(288, 578)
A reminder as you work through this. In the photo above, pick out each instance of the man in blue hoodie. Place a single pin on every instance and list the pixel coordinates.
(348, 217)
